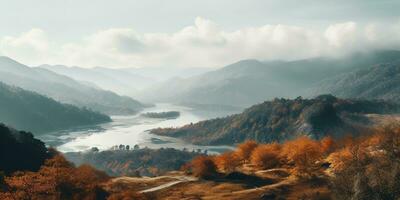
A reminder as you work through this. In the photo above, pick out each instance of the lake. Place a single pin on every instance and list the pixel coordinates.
(133, 130)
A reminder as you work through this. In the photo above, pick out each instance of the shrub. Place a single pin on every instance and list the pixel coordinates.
(227, 162)
(328, 145)
(266, 156)
(303, 152)
(204, 167)
(245, 149)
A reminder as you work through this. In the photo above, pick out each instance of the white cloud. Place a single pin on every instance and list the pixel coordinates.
(29, 46)
(339, 35)
(204, 43)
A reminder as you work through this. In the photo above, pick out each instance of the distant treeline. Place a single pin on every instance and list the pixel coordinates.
(137, 162)
(167, 115)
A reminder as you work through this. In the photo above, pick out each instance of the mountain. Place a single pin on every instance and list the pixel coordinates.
(159, 74)
(65, 89)
(124, 81)
(381, 81)
(283, 119)
(117, 80)
(31, 111)
(19, 150)
(250, 81)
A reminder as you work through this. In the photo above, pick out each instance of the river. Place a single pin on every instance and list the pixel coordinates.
(133, 130)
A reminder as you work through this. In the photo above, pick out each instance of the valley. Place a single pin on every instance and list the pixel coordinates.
(200, 100)
(133, 130)
(223, 134)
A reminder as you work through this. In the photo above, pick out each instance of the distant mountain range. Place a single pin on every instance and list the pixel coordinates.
(241, 84)
(120, 81)
(31, 111)
(283, 119)
(250, 81)
(124, 81)
(65, 89)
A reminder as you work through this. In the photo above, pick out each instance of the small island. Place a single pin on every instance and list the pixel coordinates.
(162, 115)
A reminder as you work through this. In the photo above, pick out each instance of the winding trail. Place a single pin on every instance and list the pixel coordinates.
(179, 179)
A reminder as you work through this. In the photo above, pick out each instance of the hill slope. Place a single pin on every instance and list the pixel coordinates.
(65, 89)
(380, 81)
(33, 112)
(250, 81)
(283, 119)
(122, 82)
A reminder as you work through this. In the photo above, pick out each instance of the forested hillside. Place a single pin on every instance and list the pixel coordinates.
(33, 112)
(283, 119)
(381, 81)
(65, 89)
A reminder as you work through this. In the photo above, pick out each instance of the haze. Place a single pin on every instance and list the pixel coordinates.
(188, 34)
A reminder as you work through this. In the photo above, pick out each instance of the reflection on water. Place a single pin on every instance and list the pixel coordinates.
(130, 130)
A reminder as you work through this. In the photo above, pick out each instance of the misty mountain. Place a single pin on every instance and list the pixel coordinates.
(381, 81)
(124, 81)
(120, 81)
(165, 73)
(250, 81)
(30, 111)
(65, 89)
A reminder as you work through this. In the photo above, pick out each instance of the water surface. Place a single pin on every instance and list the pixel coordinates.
(132, 130)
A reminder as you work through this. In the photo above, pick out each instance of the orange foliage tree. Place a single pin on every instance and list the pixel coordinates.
(266, 156)
(328, 145)
(227, 162)
(303, 152)
(57, 179)
(204, 167)
(245, 149)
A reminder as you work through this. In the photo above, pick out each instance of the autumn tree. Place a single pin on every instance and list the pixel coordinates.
(245, 149)
(227, 162)
(204, 167)
(303, 152)
(58, 179)
(266, 156)
(328, 145)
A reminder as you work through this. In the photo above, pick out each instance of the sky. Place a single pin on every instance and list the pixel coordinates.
(188, 33)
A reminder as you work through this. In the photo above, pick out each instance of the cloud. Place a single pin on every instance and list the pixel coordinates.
(31, 45)
(204, 43)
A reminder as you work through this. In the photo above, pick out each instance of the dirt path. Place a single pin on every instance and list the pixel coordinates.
(179, 179)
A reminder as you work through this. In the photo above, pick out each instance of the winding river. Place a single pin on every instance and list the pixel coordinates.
(132, 130)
